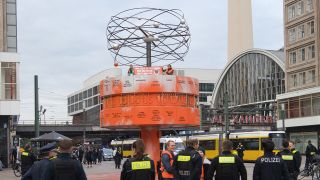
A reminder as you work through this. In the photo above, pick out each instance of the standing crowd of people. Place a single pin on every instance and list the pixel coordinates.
(55, 164)
(192, 164)
(189, 164)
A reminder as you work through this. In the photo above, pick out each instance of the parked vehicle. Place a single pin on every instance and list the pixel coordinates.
(107, 154)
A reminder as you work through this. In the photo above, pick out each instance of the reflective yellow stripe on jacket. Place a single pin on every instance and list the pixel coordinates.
(183, 158)
(25, 154)
(223, 160)
(287, 157)
(140, 165)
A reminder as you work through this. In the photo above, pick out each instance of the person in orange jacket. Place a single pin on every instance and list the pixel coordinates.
(167, 169)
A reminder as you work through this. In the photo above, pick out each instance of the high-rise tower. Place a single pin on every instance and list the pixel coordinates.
(240, 36)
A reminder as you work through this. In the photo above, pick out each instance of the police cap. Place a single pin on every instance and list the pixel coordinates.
(48, 147)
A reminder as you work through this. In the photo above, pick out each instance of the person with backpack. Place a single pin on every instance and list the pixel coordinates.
(140, 166)
(64, 167)
(188, 163)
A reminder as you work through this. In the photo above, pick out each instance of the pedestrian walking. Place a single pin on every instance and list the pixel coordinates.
(188, 163)
(311, 151)
(297, 156)
(100, 154)
(240, 149)
(118, 157)
(89, 155)
(95, 155)
(80, 154)
(290, 160)
(205, 174)
(47, 153)
(114, 152)
(227, 165)
(63, 167)
(13, 154)
(166, 166)
(270, 166)
(27, 159)
(140, 166)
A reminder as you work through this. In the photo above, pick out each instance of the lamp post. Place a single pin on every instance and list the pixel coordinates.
(226, 114)
(282, 116)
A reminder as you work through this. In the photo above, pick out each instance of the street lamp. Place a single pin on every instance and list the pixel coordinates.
(282, 116)
(226, 114)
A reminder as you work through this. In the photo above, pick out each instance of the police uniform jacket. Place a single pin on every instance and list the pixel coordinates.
(290, 160)
(188, 164)
(36, 170)
(138, 169)
(297, 156)
(270, 167)
(228, 166)
(27, 160)
(63, 167)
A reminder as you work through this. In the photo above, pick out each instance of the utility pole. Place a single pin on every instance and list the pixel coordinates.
(226, 114)
(148, 54)
(282, 116)
(36, 106)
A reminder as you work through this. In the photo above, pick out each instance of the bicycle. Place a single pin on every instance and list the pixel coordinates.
(313, 170)
(16, 167)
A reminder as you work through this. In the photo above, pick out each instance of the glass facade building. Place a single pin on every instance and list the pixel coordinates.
(252, 80)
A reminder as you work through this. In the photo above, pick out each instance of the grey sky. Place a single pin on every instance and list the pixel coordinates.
(64, 41)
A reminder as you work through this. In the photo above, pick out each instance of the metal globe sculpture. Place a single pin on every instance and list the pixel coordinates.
(148, 36)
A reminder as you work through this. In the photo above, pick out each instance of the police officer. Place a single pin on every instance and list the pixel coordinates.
(270, 166)
(297, 156)
(47, 152)
(140, 167)
(27, 159)
(63, 167)
(240, 150)
(227, 165)
(188, 163)
(289, 160)
(311, 151)
(167, 169)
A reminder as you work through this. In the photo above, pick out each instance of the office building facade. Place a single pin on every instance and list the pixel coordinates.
(301, 102)
(9, 77)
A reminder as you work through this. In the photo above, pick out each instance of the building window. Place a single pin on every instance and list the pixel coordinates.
(312, 76)
(9, 80)
(95, 90)
(80, 96)
(291, 12)
(302, 78)
(203, 97)
(299, 8)
(292, 35)
(90, 92)
(206, 87)
(301, 31)
(293, 57)
(76, 98)
(85, 95)
(303, 54)
(310, 26)
(311, 52)
(309, 6)
(294, 80)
